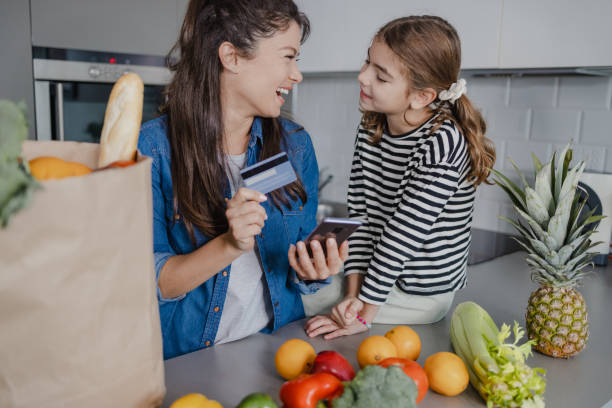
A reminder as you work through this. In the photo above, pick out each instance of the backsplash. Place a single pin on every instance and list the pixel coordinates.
(524, 115)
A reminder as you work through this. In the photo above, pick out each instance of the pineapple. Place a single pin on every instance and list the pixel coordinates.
(556, 239)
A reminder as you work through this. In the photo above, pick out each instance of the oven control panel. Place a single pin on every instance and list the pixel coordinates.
(106, 72)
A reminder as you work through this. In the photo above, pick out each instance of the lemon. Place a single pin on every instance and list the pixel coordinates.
(195, 400)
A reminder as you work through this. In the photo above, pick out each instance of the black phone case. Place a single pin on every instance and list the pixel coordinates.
(338, 228)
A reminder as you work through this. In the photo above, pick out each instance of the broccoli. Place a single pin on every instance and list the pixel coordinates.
(376, 386)
(16, 182)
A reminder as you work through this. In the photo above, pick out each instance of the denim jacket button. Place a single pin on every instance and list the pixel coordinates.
(207, 343)
(216, 309)
(224, 273)
(301, 208)
(276, 304)
(177, 217)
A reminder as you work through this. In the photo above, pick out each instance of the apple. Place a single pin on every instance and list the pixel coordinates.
(332, 362)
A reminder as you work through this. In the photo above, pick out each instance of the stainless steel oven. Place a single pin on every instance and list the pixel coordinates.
(72, 88)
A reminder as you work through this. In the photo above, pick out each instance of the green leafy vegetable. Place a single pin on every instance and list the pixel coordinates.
(16, 182)
(376, 386)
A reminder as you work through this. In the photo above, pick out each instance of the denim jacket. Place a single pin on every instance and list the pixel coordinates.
(189, 322)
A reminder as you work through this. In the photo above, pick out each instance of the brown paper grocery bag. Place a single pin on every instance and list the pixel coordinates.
(79, 321)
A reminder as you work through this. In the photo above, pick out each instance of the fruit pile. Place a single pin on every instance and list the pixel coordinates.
(389, 376)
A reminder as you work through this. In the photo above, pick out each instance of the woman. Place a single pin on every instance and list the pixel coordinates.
(225, 261)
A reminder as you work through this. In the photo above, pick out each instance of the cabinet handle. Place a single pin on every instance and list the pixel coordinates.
(59, 111)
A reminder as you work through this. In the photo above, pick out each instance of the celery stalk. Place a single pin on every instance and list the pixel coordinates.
(497, 369)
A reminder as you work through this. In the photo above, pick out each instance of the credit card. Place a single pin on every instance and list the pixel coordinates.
(269, 174)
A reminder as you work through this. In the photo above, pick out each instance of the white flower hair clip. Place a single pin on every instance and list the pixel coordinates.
(454, 92)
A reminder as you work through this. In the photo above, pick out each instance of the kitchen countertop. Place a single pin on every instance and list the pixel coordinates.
(230, 371)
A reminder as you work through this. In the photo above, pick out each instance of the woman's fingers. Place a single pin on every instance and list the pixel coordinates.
(293, 261)
(337, 333)
(306, 266)
(320, 325)
(247, 219)
(353, 328)
(334, 262)
(318, 259)
(246, 194)
(316, 322)
(246, 208)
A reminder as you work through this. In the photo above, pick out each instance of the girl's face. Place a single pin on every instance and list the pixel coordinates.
(384, 87)
(267, 78)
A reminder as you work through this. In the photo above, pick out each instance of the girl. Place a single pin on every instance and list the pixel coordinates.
(224, 264)
(420, 152)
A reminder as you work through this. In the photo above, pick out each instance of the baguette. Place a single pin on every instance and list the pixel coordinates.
(119, 139)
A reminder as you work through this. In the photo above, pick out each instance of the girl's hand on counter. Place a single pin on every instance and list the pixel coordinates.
(345, 312)
(245, 217)
(318, 267)
(326, 325)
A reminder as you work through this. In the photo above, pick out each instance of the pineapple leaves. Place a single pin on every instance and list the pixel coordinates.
(552, 227)
(542, 188)
(593, 219)
(567, 250)
(519, 227)
(577, 207)
(588, 219)
(537, 164)
(561, 170)
(557, 227)
(520, 174)
(514, 192)
(535, 207)
(571, 181)
(553, 178)
(567, 160)
(541, 233)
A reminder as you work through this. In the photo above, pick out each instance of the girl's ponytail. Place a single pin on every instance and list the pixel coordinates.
(473, 127)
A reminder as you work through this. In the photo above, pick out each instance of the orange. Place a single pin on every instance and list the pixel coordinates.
(294, 357)
(447, 373)
(195, 401)
(47, 167)
(406, 340)
(375, 349)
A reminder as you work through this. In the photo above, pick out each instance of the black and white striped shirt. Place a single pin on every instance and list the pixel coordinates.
(412, 194)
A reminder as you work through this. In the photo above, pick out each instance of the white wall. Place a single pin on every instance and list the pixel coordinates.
(524, 115)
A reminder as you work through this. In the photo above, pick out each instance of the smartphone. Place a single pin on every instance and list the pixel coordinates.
(338, 228)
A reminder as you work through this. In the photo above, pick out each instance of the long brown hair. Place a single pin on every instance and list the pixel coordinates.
(430, 51)
(193, 105)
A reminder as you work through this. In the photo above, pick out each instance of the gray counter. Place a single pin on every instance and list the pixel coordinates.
(230, 371)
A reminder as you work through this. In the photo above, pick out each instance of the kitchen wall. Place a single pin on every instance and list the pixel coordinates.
(524, 115)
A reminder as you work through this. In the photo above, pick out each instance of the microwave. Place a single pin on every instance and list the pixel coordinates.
(71, 89)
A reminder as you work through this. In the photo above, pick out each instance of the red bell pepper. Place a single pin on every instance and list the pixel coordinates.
(308, 389)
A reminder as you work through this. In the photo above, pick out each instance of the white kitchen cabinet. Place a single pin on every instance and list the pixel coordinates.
(147, 27)
(556, 33)
(16, 57)
(342, 29)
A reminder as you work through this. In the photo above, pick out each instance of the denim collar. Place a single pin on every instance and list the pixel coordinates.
(256, 132)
